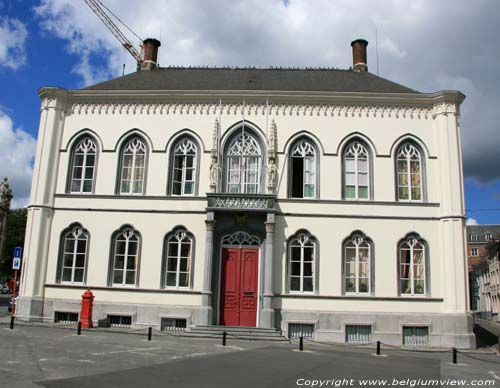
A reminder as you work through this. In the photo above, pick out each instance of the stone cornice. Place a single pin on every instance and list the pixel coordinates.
(328, 104)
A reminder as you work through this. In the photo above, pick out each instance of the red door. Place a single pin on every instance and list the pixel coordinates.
(239, 286)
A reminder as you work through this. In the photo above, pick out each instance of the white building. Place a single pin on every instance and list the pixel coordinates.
(317, 200)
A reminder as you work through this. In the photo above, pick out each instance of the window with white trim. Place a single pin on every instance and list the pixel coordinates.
(474, 252)
(179, 250)
(243, 163)
(409, 173)
(125, 257)
(357, 265)
(412, 266)
(74, 255)
(303, 170)
(488, 236)
(83, 166)
(473, 237)
(133, 167)
(302, 261)
(356, 171)
(184, 167)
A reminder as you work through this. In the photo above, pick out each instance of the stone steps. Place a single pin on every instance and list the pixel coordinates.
(240, 332)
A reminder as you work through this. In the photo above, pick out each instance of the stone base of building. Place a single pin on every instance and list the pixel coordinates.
(444, 330)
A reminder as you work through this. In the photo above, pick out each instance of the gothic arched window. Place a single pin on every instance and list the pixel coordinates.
(133, 166)
(356, 171)
(243, 164)
(303, 174)
(409, 173)
(184, 164)
(83, 166)
(412, 252)
(358, 259)
(178, 259)
(302, 252)
(126, 247)
(74, 251)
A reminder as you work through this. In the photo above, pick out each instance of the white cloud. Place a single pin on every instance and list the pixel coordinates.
(471, 221)
(13, 36)
(17, 150)
(417, 46)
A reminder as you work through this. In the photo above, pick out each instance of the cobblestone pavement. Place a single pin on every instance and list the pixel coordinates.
(55, 357)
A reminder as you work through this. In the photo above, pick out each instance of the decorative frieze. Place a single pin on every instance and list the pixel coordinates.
(240, 202)
(249, 110)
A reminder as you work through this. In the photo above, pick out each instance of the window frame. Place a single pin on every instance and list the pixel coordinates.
(473, 237)
(62, 251)
(111, 270)
(121, 165)
(474, 252)
(425, 263)
(355, 237)
(315, 260)
(369, 171)
(164, 268)
(303, 141)
(71, 165)
(230, 140)
(195, 167)
(422, 174)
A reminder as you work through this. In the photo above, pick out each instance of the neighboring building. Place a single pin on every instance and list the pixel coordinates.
(484, 274)
(320, 201)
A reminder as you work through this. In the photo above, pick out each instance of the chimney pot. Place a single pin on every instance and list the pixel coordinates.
(359, 62)
(150, 52)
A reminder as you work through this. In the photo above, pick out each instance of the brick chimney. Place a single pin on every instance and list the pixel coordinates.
(359, 55)
(150, 52)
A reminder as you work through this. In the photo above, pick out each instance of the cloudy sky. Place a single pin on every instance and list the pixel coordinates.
(427, 45)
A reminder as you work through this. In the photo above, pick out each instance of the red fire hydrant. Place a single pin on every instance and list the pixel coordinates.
(86, 312)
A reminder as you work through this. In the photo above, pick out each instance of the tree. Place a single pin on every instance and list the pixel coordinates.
(14, 237)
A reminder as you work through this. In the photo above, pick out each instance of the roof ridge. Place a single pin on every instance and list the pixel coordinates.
(299, 68)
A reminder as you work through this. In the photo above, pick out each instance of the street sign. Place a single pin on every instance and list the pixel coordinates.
(16, 263)
(18, 252)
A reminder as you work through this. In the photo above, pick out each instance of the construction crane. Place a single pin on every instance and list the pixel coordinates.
(99, 9)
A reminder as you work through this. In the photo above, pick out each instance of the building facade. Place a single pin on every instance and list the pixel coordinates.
(321, 199)
(484, 274)
(5, 198)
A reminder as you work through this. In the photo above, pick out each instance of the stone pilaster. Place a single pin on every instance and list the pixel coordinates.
(267, 311)
(206, 293)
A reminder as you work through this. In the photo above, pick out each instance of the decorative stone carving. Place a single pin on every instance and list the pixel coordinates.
(240, 238)
(214, 162)
(271, 158)
(240, 202)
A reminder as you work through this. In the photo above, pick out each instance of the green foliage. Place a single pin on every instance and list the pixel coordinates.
(14, 237)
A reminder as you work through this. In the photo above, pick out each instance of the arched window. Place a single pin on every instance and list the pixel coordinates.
(243, 164)
(184, 167)
(74, 250)
(356, 171)
(125, 257)
(302, 251)
(409, 173)
(412, 252)
(133, 167)
(178, 259)
(358, 258)
(83, 166)
(303, 173)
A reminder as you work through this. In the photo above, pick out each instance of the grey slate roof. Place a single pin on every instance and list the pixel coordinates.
(481, 230)
(320, 80)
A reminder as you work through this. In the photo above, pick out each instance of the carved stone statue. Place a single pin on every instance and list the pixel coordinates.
(271, 177)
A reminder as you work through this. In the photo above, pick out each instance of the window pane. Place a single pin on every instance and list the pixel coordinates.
(118, 277)
(130, 277)
(350, 165)
(405, 286)
(185, 250)
(183, 280)
(295, 268)
(362, 165)
(402, 166)
(176, 188)
(80, 260)
(308, 284)
(171, 279)
(363, 192)
(363, 285)
(87, 186)
(131, 260)
(403, 193)
(350, 192)
(308, 254)
(416, 194)
(295, 283)
(188, 188)
(350, 285)
(350, 179)
(308, 270)
(309, 191)
(295, 253)
(363, 179)
(172, 264)
(419, 287)
(183, 267)
(78, 275)
(119, 261)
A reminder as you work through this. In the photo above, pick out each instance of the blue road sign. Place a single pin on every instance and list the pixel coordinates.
(18, 252)
(16, 263)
